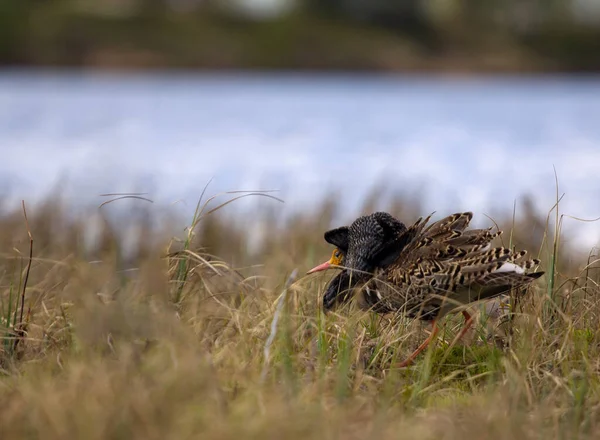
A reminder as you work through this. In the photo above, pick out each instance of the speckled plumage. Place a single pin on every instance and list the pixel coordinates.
(424, 270)
(365, 241)
(364, 244)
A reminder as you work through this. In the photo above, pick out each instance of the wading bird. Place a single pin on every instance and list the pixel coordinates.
(424, 271)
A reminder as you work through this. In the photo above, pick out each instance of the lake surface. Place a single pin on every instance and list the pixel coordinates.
(469, 144)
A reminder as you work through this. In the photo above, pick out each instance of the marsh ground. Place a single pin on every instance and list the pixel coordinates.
(173, 341)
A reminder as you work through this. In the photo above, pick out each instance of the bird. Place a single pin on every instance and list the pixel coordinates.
(425, 271)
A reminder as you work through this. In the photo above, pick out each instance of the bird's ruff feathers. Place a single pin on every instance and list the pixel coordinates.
(446, 259)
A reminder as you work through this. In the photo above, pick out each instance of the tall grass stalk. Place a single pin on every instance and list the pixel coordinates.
(251, 354)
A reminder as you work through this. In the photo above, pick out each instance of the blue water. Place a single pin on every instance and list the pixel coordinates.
(469, 144)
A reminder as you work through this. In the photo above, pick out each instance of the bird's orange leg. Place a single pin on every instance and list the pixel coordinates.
(466, 326)
(423, 346)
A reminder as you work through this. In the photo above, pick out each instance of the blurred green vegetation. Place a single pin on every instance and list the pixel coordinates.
(393, 35)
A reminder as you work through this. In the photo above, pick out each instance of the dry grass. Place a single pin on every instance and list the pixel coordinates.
(175, 348)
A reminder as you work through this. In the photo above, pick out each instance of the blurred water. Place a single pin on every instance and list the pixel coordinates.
(471, 144)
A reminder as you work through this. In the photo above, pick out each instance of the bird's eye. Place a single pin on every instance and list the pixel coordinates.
(337, 254)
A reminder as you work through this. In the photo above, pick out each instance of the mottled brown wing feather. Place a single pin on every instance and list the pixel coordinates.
(444, 260)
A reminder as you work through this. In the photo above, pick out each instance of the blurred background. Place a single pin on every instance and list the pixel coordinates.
(445, 104)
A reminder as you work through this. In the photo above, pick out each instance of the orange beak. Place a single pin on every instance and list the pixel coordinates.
(320, 267)
(335, 260)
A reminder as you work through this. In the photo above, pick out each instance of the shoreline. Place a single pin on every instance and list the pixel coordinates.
(433, 73)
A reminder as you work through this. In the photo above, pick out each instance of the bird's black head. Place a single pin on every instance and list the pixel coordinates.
(373, 241)
(370, 242)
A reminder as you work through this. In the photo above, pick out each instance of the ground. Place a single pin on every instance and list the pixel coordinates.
(192, 342)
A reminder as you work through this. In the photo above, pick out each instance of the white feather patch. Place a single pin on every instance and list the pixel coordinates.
(376, 292)
(509, 267)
